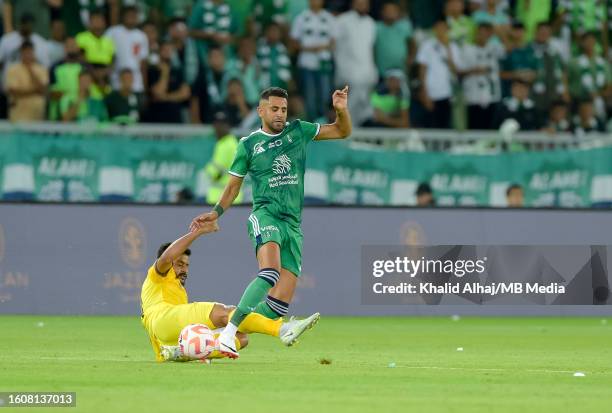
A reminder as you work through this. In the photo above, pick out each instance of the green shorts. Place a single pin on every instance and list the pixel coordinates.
(264, 228)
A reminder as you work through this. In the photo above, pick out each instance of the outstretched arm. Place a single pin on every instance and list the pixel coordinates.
(178, 247)
(342, 127)
(231, 191)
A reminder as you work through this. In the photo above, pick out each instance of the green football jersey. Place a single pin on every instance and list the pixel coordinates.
(276, 165)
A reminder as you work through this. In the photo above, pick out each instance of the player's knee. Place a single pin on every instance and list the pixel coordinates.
(243, 339)
(220, 315)
(270, 275)
(280, 307)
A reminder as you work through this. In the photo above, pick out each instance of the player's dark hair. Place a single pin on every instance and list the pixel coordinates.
(273, 91)
(128, 9)
(85, 71)
(423, 188)
(165, 246)
(26, 45)
(512, 188)
(214, 47)
(544, 23)
(97, 12)
(558, 103)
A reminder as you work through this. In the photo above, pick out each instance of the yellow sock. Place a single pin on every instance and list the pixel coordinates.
(257, 323)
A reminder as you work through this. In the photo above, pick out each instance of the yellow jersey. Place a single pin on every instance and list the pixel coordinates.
(158, 289)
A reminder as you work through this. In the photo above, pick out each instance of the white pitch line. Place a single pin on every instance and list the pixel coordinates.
(486, 369)
(92, 359)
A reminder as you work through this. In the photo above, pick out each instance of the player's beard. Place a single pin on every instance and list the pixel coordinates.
(182, 278)
(272, 126)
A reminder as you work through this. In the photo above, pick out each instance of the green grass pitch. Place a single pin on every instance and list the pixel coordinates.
(377, 365)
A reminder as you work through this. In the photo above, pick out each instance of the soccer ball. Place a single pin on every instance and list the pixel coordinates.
(196, 341)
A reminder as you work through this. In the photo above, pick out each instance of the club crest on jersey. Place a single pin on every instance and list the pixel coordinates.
(258, 148)
(281, 164)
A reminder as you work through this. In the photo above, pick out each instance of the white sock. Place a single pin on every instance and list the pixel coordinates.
(230, 330)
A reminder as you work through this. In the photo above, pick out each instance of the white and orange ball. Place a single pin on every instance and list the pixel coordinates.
(196, 341)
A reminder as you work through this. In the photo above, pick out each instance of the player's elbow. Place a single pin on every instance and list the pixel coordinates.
(345, 132)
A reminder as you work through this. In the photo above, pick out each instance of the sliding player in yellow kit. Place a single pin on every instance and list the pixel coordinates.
(166, 311)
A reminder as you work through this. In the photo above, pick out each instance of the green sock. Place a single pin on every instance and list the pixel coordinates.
(254, 294)
(265, 310)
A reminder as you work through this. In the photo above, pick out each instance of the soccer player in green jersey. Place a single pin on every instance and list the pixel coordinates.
(275, 158)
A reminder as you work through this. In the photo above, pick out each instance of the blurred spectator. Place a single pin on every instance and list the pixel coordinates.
(296, 7)
(436, 74)
(533, 12)
(186, 57)
(551, 81)
(461, 32)
(14, 10)
(26, 84)
(520, 62)
(590, 76)
(185, 196)
(76, 14)
(245, 67)
(354, 58)
(185, 49)
(123, 105)
(274, 62)
(169, 92)
(586, 121)
(391, 101)
(492, 14)
(394, 47)
(55, 44)
(582, 16)
(313, 33)
(100, 85)
(222, 158)
(214, 89)
(11, 43)
(425, 13)
(519, 107)
(481, 86)
(64, 77)
(515, 198)
(264, 12)
(558, 120)
(131, 48)
(98, 48)
(461, 27)
(235, 107)
(81, 106)
(150, 30)
(210, 22)
(173, 8)
(424, 195)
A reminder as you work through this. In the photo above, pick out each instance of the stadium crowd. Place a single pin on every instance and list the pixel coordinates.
(413, 63)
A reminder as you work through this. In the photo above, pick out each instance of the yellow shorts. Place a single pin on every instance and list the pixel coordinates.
(165, 322)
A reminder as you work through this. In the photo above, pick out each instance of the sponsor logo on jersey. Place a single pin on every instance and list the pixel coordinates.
(281, 164)
(258, 148)
(275, 143)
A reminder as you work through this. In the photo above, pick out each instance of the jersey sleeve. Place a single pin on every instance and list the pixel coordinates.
(309, 130)
(240, 166)
(153, 275)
